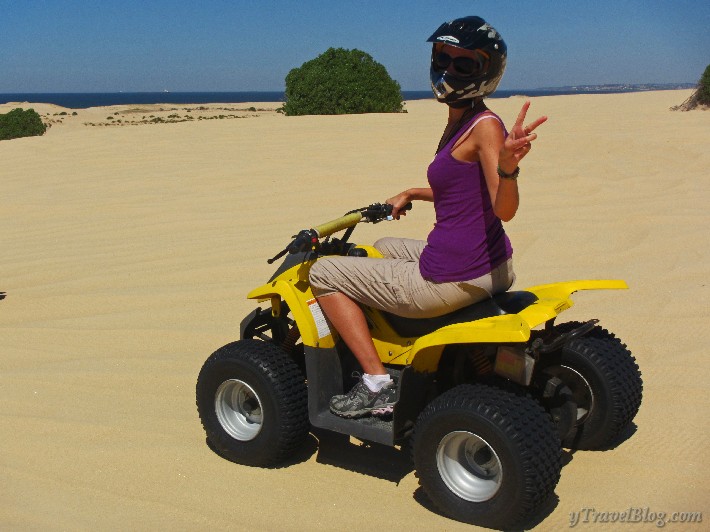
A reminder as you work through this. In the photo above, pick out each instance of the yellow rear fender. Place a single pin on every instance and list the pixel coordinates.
(566, 289)
(554, 299)
(509, 328)
(426, 351)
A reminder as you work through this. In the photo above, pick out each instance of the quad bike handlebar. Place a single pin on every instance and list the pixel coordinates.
(309, 238)
(374, 213)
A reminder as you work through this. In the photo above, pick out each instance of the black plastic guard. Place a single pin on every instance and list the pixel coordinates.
(328, 375)
(247, 324)
(291, 260)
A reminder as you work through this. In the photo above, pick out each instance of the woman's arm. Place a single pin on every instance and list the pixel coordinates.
(503, 192)
(401, 199)
(495, 151)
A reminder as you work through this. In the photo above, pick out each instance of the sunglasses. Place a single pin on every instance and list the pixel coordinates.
(463, 65)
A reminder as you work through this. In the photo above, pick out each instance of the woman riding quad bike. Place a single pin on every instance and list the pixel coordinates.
(453, 362)
(485, 397)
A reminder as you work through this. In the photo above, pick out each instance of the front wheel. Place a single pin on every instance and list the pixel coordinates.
(252, 401)
(486, 456)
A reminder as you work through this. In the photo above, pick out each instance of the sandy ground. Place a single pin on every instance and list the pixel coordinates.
(127, 252)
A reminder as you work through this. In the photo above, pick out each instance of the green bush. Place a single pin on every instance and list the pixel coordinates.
(19, 123)
(340, 82)
(704, 88)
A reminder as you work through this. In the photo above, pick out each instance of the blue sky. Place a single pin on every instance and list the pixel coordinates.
(233, 45)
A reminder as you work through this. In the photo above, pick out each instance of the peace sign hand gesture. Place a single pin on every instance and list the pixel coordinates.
(518, 142)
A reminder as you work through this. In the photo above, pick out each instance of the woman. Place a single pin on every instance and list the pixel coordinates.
(473, 184)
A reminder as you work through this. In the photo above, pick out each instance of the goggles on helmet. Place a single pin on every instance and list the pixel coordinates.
(462, 65)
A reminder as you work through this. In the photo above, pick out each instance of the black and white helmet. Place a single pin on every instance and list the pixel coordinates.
(469, 78)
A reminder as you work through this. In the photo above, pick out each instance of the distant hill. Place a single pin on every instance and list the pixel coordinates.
(622, 87)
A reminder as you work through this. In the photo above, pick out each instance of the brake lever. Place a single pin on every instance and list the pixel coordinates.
(277, 257)
(305, 239)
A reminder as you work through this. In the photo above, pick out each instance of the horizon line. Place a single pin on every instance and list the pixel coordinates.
(550, 88)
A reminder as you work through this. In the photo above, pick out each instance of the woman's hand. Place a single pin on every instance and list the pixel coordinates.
(518, 142)
(403, 198)
(398, 202)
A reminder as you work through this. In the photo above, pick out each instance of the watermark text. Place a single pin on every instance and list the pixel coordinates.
(588, 515)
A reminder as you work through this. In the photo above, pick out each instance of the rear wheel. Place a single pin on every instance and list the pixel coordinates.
(486, 456)
(252, 401)
(605, 384)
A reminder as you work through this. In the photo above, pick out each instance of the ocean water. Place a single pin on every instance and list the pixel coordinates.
(82, 100)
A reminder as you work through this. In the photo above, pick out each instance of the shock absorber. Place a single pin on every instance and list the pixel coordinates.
(481, 362)
(292, 337)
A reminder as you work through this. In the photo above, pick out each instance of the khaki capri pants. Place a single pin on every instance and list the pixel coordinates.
(394, 284)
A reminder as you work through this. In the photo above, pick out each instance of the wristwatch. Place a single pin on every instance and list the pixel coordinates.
(513, 175)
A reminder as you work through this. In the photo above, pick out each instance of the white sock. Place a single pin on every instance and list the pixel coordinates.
(376, 382)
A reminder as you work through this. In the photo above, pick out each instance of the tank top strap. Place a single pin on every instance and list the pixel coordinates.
(466, 130)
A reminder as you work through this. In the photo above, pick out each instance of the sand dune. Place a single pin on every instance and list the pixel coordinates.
(127, 252)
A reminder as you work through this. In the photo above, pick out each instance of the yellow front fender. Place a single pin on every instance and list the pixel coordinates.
(293, 287)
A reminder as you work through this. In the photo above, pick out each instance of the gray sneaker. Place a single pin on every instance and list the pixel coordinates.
(360, 401)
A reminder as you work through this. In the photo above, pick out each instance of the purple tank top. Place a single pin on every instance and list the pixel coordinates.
(468, 239)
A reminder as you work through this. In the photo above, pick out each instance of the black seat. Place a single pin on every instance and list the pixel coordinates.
(498, 305)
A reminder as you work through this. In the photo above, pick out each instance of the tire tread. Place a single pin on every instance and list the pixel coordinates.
(618, 367)
(289, 389)
(523, 422)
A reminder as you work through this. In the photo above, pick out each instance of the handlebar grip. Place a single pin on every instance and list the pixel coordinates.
(338, 224)
(388, 208)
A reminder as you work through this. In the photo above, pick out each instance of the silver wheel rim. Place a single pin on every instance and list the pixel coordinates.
(469, 466)
(238, 410)
(581, 391)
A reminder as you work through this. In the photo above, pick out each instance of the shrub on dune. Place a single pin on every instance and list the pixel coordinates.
(704, 88)
(341, 81)
(21, 123)
(701, 95)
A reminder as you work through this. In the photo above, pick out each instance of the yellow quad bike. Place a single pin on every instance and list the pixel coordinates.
(487, 395)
